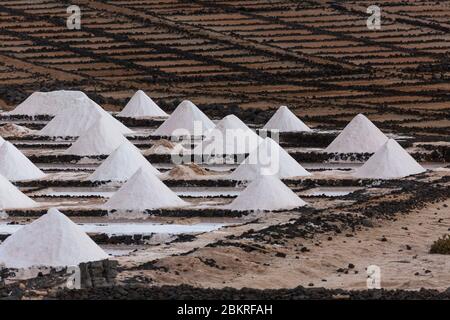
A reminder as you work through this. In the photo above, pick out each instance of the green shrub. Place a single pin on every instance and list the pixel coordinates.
(441, 245)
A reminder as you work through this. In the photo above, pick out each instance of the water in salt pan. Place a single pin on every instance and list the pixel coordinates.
(141, 105)
(186, 120)
(359, 136)
(53, 240)
(131, 228)
(389, 162)
(285, 121)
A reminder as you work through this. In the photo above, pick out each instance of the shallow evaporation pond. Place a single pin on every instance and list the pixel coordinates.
(329, 191)
(75, 192)
(206, 192)
(132, 228)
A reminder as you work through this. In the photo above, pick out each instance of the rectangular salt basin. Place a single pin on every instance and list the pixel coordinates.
(75, 192)
(132, 228)
(329, 191)
(206, 192)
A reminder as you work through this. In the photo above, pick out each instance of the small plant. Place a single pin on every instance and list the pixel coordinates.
(441, 245)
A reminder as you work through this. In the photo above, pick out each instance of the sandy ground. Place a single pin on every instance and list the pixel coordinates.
(401, 266)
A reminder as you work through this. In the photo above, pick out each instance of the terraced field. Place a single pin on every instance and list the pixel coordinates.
(318, 57)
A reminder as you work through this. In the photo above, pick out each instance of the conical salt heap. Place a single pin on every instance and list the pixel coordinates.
(230, 136)
(268, 156)
(100, 139)
(49, 103)
(143, 191)
(285, 121)
(266, 193)
(53, 240)
(15, 166)
(73, 122)
(389, 162)
(13, 198)
(141, 105)
(359, 136)
(122, 164)
(183, 120)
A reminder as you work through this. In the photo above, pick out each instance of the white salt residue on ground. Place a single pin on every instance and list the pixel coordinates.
(390, 161)
(285, 121)
(267, 192)
(73, 122)
(144, 191)
(268, 156)
(359, 136)
(100, 139)
(184, 117)
(141, 105)
(15, 166)
(122, 164)
(131, 228)
(52, 240)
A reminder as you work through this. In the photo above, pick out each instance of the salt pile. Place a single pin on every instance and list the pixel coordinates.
(141, 105)
(101, 138)
(13, 198)
(49, 103)
(121, 164)
(230, 136)
(186, 171)
(266, 193)
(53, 240)
(143, 191)
(359, 136)
(186, 120)
(15, 166)
(285, 121)
(164, 146)
(390, 161)
(268, 156)
(73, 122)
